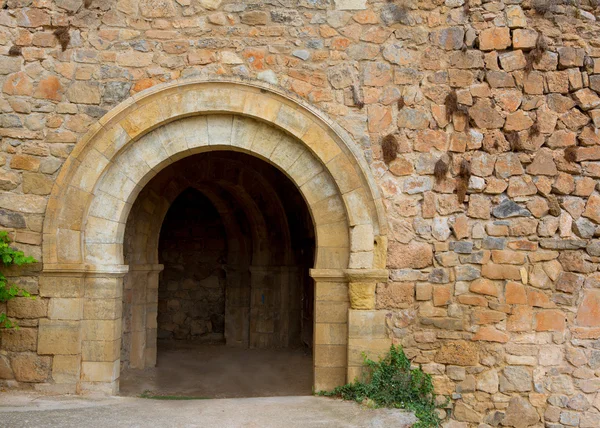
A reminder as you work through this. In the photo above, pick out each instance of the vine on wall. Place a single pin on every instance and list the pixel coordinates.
(9, 257)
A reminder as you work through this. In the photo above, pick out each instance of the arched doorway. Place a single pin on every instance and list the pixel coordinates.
(236, 245)
(84, 227)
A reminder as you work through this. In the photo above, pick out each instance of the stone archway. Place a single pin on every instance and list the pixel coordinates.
(85, 221)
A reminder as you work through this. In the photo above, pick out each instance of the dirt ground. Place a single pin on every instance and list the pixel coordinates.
(216, 371)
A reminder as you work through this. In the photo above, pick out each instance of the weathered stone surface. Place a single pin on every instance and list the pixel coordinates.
(496, 38)
(508, 209)
(458, 352)
(520, 414)
(395, 295)
(158, 8)
(485, 116)
(588, 314)
(414, 255)
(30, 367)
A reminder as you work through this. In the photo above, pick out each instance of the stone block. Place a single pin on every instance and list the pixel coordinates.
(395, 295)
(101, 329)
(327, 378)
(102, 309)
(331, 334)
(103, 288)
(23, 339)
(57, 337)
(26, 307)
(350, 4)
(372, 348)
(331, 291)
(66, 368)
(367, 324)
(362, 295)
(458, 353)
(331, 312)
(65, 309)
(30, 367)
(331, 356)
(100, 350)
(100, 371)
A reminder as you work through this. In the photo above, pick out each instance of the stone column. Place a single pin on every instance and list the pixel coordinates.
(83, 329)
(101, 331)
(366, 326)
(330, 348)
(140, 323)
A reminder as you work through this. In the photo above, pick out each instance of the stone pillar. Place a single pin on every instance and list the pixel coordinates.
(140, 323)
(330, 348)
(366, 326)
(83, 329)
(101, 331)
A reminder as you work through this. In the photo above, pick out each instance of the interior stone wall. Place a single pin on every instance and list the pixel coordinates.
(191, 291)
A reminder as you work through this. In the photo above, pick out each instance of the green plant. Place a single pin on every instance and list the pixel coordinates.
(392, 383)
(10, 256)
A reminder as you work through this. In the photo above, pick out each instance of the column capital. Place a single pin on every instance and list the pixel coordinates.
(350, 275)
(84, 270)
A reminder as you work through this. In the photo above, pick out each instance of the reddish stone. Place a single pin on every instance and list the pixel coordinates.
(497, 38)
(588, 314)
(380, 118)
(255, 58)
(401, 166)
(539, 299)
(485, 316)
(520, 319)
(472, 300)
(484, 286)
(49, 88)
(491, 334)
(428, 139)
(442, 295)
(496, 271)
(515, 293)
(415, 255)
(142, 84)
(18, 84)
(551, 320)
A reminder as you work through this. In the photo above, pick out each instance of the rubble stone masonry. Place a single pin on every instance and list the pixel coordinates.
(491, 190)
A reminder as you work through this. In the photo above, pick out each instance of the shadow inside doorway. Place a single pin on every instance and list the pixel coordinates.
(216, 371)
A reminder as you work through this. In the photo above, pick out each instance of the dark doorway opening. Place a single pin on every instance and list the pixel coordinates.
(235, 300)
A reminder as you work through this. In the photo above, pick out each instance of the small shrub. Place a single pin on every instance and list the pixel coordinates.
(389, 147)
(401, 103)
(9, 257)
(15, 50)
(536, 54)
(462, 181)
(63, 36)
(356, 98)
(571, 154)
(440, 170)
(394, 384)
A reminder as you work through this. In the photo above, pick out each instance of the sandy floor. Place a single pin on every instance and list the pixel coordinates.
(217, 371)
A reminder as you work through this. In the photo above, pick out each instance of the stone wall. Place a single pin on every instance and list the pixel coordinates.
(191, 290)
(494, 285)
